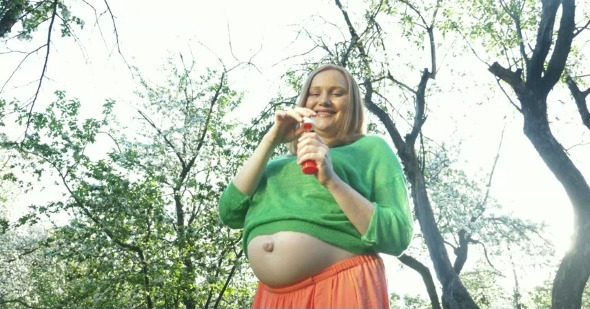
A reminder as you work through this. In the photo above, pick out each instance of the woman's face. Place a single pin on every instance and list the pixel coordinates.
(329, 97)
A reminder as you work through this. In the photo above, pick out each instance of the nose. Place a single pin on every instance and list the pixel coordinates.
(324, 99)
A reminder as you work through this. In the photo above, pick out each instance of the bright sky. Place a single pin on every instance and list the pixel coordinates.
(150, 32)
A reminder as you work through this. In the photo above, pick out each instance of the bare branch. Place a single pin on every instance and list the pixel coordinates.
(473, 50)
(413, 8)
(426, 278)
(481, 206)
(579, 30)
(112, 138)
(168, 142)
(516, 19)
(231, 48)
(116, 33)
(580, 99)
(485, 251)
(54, 13)
(298, 55)
(507, 96)
(73, 35)
(19, 65)
(391, 78)
(382, 115)
(389, 103)
(451, 244)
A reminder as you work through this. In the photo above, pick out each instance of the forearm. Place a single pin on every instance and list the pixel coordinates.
(357, 208)
(248, 177)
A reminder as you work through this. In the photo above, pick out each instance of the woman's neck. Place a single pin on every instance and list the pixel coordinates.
(331, 141)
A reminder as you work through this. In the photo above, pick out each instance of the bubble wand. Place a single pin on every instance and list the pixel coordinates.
(309, 167)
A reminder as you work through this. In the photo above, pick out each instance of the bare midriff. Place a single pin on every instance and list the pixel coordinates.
(285, 258)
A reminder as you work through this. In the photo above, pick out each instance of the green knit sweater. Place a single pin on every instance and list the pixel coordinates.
(288, 200)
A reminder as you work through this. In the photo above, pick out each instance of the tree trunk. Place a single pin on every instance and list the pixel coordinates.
(454, 293)
(574, 270)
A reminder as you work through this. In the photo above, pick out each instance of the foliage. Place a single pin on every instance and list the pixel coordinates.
(540, 296)
(483, 286)
(143, 229)
(465, 210)
(407, 301)
(30, 15)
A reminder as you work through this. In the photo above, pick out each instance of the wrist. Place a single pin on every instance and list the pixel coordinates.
(334, 184)
(269, 140)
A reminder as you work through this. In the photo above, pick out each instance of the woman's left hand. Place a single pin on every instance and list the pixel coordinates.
(311, 147)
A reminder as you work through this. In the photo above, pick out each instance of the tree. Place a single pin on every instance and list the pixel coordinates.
(24, 18)
(371, 74)
(441, 203)
(532, 72)
(144, 229)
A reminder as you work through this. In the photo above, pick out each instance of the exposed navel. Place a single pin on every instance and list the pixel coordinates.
(268, 245)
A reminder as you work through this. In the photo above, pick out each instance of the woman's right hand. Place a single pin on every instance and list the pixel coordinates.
(286, 127)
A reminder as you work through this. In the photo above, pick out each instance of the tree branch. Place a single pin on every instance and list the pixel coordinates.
(168, 142)
(517, 25)
(481, 206)
(485, 251)
(354, 37)
(382, 115)
(19, 65)
(544, 40)
(507, 96)
(116, 33)
(426, 277)
(20, 302)
(563, 44)
(53, 14)
(514, 79)
(579, 30)
(227, 281)
(580, 99)
(391, 78)
(213, 101)
(419, 118)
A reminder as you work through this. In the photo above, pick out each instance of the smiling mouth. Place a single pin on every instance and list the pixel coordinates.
(324, 114)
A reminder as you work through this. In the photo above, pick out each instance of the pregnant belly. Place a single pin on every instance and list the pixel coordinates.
(285, 258)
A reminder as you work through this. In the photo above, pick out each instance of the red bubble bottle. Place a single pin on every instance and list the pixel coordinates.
(309, 167)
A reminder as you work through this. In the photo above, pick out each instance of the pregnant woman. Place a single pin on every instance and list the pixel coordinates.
(313, 240)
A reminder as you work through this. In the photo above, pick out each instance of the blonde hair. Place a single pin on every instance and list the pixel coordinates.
(352, 128)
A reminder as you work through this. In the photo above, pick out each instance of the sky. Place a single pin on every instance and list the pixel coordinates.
(150, 32)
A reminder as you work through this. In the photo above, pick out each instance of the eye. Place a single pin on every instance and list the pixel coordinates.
(313, 94)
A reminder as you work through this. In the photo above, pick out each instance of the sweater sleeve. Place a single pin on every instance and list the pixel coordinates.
(233, 206)
(390, 229)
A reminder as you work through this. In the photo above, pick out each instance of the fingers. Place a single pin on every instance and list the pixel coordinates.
(296, 113)
(310, 147)
(285, 128)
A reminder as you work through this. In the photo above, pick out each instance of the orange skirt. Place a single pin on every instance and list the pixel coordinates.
(358, 282)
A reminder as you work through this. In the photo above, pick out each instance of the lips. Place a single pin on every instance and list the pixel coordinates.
(322, 114)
